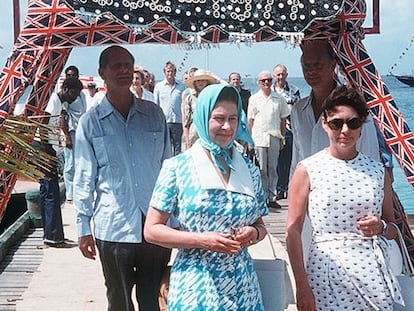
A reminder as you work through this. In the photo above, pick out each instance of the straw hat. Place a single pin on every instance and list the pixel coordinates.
(201, 74)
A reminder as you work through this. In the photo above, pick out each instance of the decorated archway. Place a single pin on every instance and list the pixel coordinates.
(53, 27)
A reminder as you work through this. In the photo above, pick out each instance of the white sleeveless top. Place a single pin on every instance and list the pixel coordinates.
(344, 268)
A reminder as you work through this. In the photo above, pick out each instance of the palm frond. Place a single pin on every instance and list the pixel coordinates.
(17, 155)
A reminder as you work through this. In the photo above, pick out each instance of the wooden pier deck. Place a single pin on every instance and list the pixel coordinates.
(27, 263)
(18, 267)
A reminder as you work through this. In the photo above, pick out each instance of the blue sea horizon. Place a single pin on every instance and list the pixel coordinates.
(403, 96)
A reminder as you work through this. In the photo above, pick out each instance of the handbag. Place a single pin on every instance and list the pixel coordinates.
(405, 279)
(392, 254)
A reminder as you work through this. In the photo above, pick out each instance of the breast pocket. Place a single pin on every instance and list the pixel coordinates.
(154, 144)
(100, 146)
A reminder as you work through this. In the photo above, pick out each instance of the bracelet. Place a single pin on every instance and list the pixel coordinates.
(384, 228)
(257, 232)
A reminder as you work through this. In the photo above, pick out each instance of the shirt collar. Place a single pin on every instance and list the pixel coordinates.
(106, 107)
(240, 179)
(264, 95)
(165, 82)
(310, 98)
(285, 88)
(308, 101)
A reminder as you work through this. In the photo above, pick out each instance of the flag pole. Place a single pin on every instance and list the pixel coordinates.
(16, 16)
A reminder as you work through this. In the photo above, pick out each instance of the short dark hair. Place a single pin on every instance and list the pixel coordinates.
(104, 57)
(72, 68)
(321, 44)
(171, 65)
(72, 83)
(141, 73)
(345, 96)
(234, 73)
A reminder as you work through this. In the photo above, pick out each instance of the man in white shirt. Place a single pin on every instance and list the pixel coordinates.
(71, 111)
(266, 114)
(53, 234)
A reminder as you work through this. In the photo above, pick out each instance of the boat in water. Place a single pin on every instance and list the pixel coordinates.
(406, 79)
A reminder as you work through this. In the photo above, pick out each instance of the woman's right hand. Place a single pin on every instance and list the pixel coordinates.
(219, 242)
(305, 300)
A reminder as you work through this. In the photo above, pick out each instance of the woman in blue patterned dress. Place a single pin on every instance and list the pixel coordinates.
(347, 196)
(217, 197)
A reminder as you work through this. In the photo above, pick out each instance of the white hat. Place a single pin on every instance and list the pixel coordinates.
(201, 74)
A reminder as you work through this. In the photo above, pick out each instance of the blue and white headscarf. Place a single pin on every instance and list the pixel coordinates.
(206, 102)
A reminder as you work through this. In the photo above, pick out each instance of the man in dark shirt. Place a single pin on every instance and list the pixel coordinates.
(235, 80)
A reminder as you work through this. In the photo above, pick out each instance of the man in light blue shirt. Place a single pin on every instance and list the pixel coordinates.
(168, 95)
(121, 144)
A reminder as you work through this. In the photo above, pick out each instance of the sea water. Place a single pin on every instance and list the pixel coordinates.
(404, 98)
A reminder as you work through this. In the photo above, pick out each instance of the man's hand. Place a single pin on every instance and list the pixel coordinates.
(87, 246)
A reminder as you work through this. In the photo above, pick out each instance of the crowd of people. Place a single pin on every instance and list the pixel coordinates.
(195, 163)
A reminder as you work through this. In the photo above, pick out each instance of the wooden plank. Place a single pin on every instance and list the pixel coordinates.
(15, 279)
(18, 266)
(23, 266)
(275, 222)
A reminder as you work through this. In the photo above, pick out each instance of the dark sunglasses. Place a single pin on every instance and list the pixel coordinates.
(337, 124)
(266, 80)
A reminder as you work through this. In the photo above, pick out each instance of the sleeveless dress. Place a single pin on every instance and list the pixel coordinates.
(187, 188)
(347, 271)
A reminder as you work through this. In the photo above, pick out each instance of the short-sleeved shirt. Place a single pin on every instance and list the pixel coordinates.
(169, 98)
(267, 113)
(74, 110)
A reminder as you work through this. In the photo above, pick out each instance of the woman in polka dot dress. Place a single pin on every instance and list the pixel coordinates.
(347, 196)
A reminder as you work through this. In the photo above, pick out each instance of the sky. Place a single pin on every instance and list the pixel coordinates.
(386, 48)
